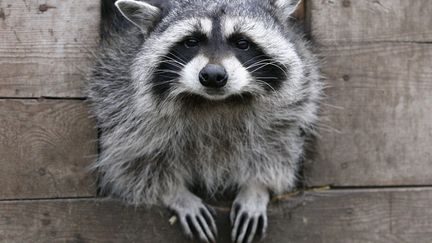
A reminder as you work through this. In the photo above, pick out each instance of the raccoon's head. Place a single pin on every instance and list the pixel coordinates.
(214, 49)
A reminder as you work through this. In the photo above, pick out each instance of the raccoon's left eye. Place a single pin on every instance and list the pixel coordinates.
(243, 44)
(191, 42)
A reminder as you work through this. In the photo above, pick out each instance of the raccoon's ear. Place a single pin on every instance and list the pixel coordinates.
(142, 14)
(285, 9)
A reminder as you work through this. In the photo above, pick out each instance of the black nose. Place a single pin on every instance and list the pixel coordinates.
(214, 76)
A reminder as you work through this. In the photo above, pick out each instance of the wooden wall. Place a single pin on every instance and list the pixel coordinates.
(378, 65)
(374, 150)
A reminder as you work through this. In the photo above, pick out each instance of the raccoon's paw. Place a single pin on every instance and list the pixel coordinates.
(248, 218)
(196, 218)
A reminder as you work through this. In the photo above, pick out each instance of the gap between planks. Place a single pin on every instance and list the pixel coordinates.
(276, 199)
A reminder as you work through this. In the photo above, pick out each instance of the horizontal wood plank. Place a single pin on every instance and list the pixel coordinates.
(346, 216)
(378, 108)
(45, 46)
(335, 21)
(45, 147)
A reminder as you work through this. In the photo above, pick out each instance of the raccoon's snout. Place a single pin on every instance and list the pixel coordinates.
(213, 76)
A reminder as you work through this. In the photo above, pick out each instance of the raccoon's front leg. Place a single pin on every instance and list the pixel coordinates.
(195, 217)
(249, 213)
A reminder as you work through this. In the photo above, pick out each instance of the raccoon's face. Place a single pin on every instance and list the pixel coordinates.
(213, 49)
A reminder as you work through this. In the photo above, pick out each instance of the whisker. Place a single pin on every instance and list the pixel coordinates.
(259, 63)
(166, 76)
(177, 56)
(265, 83)
(269, 61)
(270, 64)
(163, 83)
(165, 71)
(270, 78)
(252, 59)
(174, 62)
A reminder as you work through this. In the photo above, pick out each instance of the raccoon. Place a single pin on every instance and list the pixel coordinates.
(216, 94)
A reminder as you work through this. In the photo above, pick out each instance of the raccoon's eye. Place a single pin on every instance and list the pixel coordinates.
(242, 44)
(191, 42)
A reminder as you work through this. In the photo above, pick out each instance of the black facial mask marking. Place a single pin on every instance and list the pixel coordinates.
(267, 72)
(168, 71)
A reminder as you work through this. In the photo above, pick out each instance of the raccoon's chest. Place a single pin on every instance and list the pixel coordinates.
(213, 155)
(213, 145)
(214, 137)
(209, 137)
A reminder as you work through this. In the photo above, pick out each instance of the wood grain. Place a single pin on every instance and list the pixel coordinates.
(45, 147)
(44, 46)
(379, 100)
(395, 215)
(336, 21)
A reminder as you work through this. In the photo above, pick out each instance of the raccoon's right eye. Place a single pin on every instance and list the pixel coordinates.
(242, 44)
(191, 42)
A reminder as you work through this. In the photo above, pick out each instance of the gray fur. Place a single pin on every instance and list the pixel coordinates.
(153, 147)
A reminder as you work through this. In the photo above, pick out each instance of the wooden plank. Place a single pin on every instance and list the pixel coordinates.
(380, 101)
(44, 46)
(346, 216)
(370, 20)
(45, 147)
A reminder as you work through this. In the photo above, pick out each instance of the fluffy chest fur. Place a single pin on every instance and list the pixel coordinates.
(215, 144)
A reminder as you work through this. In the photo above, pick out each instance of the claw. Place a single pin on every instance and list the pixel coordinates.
(197, 229)
(207, 214)
(263, 228)
(206, 228)
(249, 214)
(186, 229)
(243, 229)
(239, 221)
(195, 217)
(253, 228)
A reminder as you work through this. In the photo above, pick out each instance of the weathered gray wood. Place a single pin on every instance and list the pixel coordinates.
(45, 147)
(333, 216)
(44, 46)
(334, 21)
(380, 101)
